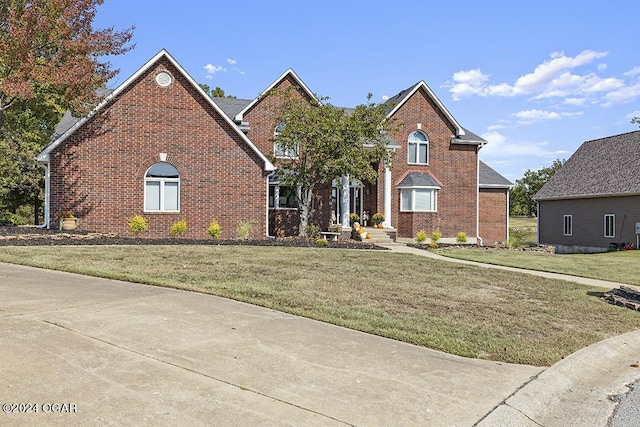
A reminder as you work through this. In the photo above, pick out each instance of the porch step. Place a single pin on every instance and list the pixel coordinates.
(381, 235)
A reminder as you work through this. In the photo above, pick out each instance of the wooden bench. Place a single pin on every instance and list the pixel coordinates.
(329, 235)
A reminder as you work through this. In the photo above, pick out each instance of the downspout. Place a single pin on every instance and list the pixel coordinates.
(478, 238)
(538, 222)
(47, 190)
(508, 218)
(267, 205)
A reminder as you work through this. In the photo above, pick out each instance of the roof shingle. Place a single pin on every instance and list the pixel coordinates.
(602, 167)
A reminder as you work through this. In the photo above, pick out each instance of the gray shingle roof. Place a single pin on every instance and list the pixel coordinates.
(418, 179)
(602, 167)
(490, 178)
(231, 106)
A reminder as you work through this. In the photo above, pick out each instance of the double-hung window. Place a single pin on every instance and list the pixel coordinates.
(418, 148)
(162, 188)
(568, 225)
(279, 149)
(609, 225)
(418, 199)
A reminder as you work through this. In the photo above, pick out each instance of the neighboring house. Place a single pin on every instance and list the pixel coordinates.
(159, 146)
(593, 202)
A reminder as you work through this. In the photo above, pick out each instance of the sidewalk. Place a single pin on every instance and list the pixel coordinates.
(577, 391)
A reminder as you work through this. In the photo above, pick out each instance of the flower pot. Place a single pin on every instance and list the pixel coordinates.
(69, 223)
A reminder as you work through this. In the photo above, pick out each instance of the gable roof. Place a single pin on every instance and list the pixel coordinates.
(489, 178)
(462, 136)
(44, 155)
(599, 168)
(239, 116)
(418, 179)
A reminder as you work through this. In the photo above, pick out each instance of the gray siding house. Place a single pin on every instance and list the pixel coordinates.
(592, 204)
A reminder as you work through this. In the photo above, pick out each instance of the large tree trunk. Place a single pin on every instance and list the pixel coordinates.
(306, 199)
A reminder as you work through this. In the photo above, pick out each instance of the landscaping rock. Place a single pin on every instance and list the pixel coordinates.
(624, 297)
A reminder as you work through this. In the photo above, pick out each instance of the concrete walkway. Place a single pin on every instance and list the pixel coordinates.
(89, 351)
(580, 390)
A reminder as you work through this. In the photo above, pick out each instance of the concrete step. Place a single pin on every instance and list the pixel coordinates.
(381, 235)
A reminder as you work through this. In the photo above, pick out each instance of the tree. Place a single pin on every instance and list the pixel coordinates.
(214, 93)
(49, 63)
(521, 196)
(327, 142)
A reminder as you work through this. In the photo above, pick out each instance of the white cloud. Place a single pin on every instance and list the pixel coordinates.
(633, 72)
(622, 95)
(213, 69)
(578, 102)
(602, 67)
(231, 61)
(385, 97)
(633, 114)
(495, 127)
(499, 147)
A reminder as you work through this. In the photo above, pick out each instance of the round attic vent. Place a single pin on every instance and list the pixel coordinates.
(163, 79)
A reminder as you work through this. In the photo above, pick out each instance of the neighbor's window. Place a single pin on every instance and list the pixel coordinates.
(162, 188)
(568, 225)
(418, 146)
(418, 200)
(609, 225)
(279, 150)
(281, 197)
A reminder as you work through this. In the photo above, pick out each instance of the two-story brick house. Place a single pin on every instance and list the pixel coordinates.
(159, 146)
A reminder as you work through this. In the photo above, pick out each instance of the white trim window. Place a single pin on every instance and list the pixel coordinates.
(610, 225)
(282, 197)
(567, 228)
(162, 188)
(418, 148)
(279, 151)
(418, 200)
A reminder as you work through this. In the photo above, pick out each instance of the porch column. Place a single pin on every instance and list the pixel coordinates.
(344, 201)
(387, 197)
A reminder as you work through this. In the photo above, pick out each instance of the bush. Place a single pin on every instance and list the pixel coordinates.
(322, 242)
(461, 237)
(178, 228)
(214, 229)
(421, 236)
(518, 237)
(8, 218)
(137, 224)
(354, 217)
(312, 231)
(435, 236)
(244, 230)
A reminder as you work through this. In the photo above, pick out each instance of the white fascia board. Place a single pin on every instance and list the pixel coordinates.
(239, 117)
(422, 84)
(44, 155)
(509, 187)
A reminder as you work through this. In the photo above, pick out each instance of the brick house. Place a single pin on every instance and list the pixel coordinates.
(159, 146)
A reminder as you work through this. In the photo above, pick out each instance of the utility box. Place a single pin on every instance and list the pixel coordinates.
(637, 227)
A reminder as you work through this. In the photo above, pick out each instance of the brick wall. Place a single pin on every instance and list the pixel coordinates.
(493, 216)
(98, 172)
(454, 166)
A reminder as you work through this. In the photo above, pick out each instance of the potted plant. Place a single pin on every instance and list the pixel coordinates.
(353, 218)
(377, 220)
(67, 221)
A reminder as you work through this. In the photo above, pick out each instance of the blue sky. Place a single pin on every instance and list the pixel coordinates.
(535, 79)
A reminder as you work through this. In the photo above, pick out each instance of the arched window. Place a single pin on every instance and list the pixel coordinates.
(162, 188)
(418, 147)
(279, 150)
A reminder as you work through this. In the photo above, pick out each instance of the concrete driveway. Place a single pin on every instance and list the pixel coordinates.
(88, 351)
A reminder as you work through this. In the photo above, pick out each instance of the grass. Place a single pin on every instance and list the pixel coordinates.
(523, 231)
(469, 311)
(620, 266)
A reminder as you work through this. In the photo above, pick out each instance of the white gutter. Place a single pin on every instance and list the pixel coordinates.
(267, 205)
(47, 190)
(478, 238)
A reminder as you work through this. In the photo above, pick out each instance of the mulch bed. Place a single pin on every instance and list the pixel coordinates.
(31, 236)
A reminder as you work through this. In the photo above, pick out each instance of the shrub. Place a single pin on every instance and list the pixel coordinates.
(9, 218)
(354, 217)
(436, 235)
(322, 242)
(518, 236)
(461, 237)
(214, 229)
(137, 224)
(244, 229)
(421, 236)
(178, 228)
(312, 231)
